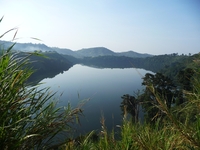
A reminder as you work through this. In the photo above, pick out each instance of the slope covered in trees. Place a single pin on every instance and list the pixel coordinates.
(48, 65)
(170, 90)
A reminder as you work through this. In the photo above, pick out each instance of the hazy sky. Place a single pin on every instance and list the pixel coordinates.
(144, 26)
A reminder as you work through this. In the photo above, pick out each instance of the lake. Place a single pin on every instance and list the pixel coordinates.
(103, 86)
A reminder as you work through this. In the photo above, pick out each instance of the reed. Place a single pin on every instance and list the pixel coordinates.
(29, 117)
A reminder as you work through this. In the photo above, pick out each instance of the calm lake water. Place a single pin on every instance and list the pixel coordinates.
(104, 88)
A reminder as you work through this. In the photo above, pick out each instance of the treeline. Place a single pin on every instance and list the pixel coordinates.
(172, 70)
(155, 63)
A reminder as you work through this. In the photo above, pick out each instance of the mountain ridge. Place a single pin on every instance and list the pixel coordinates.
(84, 52)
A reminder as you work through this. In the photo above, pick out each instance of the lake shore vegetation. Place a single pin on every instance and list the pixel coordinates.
(169, 124)
(29, 117)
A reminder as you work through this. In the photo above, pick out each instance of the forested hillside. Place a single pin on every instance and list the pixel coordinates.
(155, 63)
(46, 64)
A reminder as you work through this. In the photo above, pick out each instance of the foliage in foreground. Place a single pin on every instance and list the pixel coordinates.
(29, 117)
(177, 128)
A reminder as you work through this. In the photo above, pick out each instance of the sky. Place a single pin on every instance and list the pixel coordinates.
(144, 26)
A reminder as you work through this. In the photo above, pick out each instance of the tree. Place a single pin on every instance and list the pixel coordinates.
(185, 77)
(130, 105)
(162, 86)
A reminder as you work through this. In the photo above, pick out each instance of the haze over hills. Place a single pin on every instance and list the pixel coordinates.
(86, 52)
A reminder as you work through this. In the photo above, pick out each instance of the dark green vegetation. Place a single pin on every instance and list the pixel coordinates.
(48, 66)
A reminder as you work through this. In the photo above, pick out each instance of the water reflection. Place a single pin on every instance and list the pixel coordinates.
(104, 88)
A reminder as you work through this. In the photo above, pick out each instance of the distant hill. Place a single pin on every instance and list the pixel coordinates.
(102, 51)
(86, 52)
(95, 52)
(134, 54)
(26, 47)
(65, 51)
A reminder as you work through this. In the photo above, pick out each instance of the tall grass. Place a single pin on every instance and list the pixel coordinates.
(29, 117)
